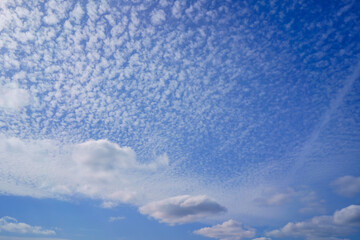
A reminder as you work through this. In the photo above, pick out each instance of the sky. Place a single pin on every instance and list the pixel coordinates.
(202, 119)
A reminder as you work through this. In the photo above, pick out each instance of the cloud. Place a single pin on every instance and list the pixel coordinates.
(182, 209)
(323, 227)
(229, 230)
(312, 203)
(157, 17)
(9, 224)
(262, 238)
(101, 156)
(13, 97)
(273, 197)
(113, 219)
(97, 169)
(347, 186)
(348, 216)
(29, 238)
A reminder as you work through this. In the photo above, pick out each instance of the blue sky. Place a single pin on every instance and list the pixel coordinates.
(132, 120)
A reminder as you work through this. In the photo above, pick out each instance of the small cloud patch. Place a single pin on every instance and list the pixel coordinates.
(229, 230)
(182, 209)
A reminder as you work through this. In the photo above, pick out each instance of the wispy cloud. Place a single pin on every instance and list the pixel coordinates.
(29, 238)
(347, 186)
(113, 219)
(9, 224)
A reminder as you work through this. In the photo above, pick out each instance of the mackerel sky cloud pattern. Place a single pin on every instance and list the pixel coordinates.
(186, 117)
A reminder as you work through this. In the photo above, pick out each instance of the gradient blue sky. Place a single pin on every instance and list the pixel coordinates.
(133, 120)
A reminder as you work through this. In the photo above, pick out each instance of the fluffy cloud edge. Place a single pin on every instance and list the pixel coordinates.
(340, 224)
(182, 209)
(90, 169)
(229, 230)
(10, 224)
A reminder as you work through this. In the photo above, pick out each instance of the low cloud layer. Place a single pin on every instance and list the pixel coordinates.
(229, 230)
(97, 169)
(341, 224)
(182, 209)
(347, 186)
(9, 224)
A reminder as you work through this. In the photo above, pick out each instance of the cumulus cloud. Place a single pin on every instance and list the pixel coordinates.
(97, 169)
(229, 230)
(9, 224)
(13, 97)
(102, 158)
(182, 209)
(340, 225)
(348, 216)
(346, 186)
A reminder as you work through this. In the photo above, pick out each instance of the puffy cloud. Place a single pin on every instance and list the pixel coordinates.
(96, 169)
(9, 224)
(346, 186)
(13, 97)
(262, 238)
(182, 209)
(104, 158)
(349, 215)
(157, 17)
(229, 230)
(323, 227)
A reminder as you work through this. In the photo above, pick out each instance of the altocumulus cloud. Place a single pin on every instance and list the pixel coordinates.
(229, 230)
(182, 209)
(12, 97)
(346, 186)
(9, 224)
(341, 224)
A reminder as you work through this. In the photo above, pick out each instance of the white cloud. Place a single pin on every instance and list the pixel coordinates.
(273, 197)
(346, 186)
(323, 227)
(29, 238)
(96, 169)
(113, 219)
(104, 157)
(312, 204)
(163, 3)
(182, 209)
(157, 17)
(348, 216)
(229, 230)
(13, 97)
(9, 224)
(176, 9)
(77, 13)
(262, 238)
(51, 18)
